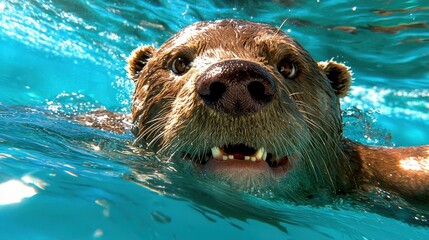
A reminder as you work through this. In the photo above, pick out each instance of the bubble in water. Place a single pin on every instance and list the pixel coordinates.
(71, 104)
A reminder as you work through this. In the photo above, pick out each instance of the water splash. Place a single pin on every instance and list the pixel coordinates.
(72, 104)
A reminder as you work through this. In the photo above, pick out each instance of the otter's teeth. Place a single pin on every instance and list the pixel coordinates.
(260, 153)
(264, 157)
(216, 152)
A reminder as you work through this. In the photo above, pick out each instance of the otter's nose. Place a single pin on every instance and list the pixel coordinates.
(236, 87)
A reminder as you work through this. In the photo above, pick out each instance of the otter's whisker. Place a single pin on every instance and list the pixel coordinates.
(280, 27)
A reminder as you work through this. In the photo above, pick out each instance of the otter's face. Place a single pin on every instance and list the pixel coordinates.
(243, 101)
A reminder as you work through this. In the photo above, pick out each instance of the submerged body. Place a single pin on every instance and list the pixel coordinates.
(245, 102)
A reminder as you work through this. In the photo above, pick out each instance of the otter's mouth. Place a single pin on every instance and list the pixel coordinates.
(234, 158)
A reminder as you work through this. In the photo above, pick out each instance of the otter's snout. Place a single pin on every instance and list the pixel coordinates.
(236, 87)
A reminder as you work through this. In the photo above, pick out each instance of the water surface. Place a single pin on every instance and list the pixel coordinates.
(62, 180)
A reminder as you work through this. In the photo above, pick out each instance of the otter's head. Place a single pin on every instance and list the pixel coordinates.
(243, 101)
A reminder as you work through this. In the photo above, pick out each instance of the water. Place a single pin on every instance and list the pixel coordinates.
(62, 180)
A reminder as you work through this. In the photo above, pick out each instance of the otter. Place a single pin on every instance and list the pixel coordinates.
(247, 103)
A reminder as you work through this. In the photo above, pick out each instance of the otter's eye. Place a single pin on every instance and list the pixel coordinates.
(180, 65)
(287, 69)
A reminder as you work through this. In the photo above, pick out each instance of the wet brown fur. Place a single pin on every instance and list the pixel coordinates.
(303, 121)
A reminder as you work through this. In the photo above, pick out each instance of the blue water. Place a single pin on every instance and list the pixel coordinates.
(62, 180)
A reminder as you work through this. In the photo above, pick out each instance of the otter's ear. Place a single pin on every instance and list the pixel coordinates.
(137, 60)
(339, 75)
